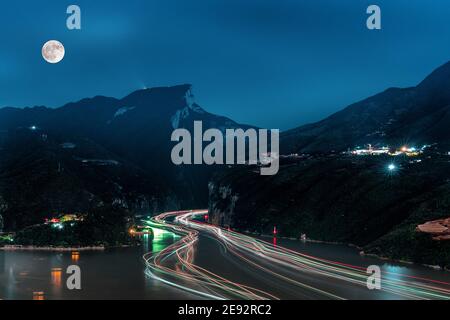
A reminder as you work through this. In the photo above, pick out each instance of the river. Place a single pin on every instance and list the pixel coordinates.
(119, 273)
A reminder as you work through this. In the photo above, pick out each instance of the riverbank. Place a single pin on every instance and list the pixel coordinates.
(61, 249)
(434, 267)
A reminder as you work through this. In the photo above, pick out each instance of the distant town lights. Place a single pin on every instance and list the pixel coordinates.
(376, 151)
(58, 226)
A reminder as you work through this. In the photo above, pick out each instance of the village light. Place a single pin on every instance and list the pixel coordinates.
(58, 226)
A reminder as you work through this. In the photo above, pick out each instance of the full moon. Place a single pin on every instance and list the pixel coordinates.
(53, 51)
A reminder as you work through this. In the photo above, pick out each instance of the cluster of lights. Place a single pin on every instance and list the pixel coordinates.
(408, 151)
(59, 223)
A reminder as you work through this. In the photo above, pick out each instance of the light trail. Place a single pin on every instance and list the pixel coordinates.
(174, 265)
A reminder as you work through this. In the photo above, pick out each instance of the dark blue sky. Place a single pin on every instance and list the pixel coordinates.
(272, 63)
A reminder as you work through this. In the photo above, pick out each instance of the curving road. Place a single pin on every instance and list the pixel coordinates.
(215, 263)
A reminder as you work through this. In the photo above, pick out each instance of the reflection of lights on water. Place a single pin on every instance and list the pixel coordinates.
(396, 269)
(161, 234)
(146, 242)
(396, 272)
(38, 295)
(158, 245)
(56, 277)
(75, 256)
(160, 239)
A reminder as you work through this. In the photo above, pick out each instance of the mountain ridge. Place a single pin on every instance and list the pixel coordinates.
(127, 140)
(417, 114)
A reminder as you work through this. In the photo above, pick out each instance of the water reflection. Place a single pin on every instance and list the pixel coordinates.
(42, 275)
(39, 295)
(75, 256)
(161, 238)
(157, 246)
(146, 242)
(395, 272)
(56, 277)
(2, 263)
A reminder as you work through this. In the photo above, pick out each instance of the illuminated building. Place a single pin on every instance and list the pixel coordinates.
(405, 150)
(370, 151)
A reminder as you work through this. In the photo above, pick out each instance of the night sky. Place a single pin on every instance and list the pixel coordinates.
(271, 63)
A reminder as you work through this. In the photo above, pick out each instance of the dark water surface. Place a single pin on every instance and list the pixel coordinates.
(119, 273)
(109, 274)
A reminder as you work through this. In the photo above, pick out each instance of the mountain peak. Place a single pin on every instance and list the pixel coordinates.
(172, 91)
(437, 80)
